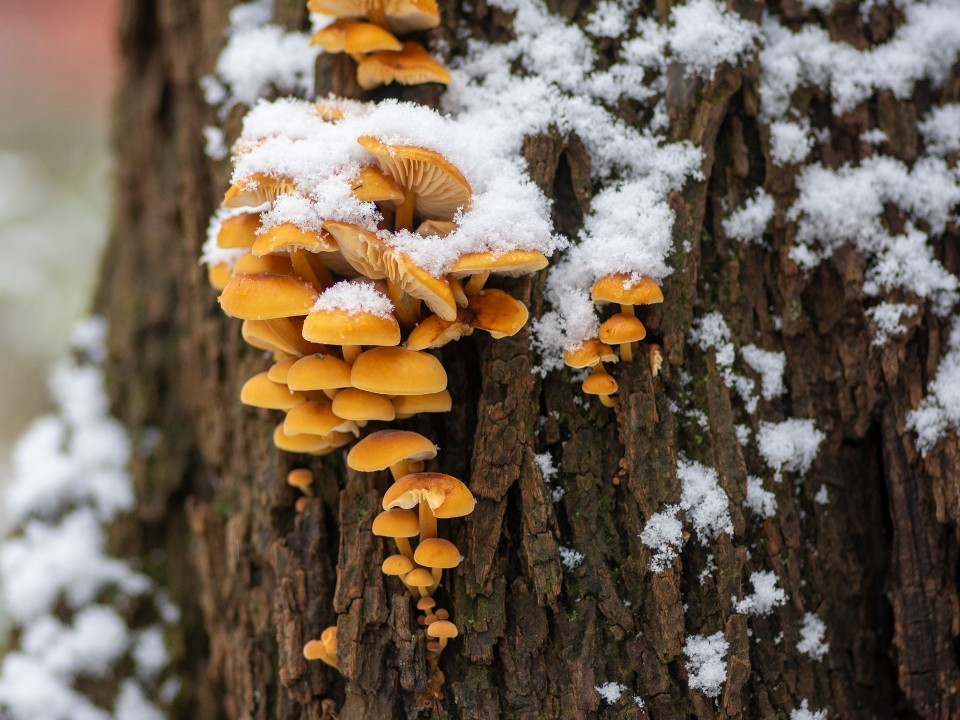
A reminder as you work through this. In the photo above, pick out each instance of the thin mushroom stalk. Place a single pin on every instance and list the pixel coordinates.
(428, 521)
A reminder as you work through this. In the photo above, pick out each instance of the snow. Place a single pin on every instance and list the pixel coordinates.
(770, 366)
(761, 502)
(570, 558)
(214, 146)
(822, 497)
(941, 130)
(610, 19)
(765, 597)
(663, 533)
(704, 34)
(791, 445)
(69, 481)
(888, 317)
(355, 297)
(610, 691)
(804, 712)
(711, 332)
(749, 222)
(706, 668)
(790, 142)
(546, 466)
(211, 253)
(812, 631)
(874, 136)
(703, 500)
(939, 411)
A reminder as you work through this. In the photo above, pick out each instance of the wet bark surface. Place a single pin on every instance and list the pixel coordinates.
(256, 580)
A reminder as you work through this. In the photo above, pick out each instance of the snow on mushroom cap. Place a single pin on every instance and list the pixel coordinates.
(322, 158)
(355, 298)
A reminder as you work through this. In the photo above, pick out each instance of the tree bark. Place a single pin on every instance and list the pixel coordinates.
(255, 579)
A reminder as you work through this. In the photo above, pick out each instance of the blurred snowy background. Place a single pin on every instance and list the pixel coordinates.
(57, 67)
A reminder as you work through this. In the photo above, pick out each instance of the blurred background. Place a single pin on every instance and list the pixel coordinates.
(58, 63)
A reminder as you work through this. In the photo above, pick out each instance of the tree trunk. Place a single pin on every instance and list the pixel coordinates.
(216, 520)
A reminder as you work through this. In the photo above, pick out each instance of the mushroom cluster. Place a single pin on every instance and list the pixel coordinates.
(367, 31)
(334, 275)
(622, 329)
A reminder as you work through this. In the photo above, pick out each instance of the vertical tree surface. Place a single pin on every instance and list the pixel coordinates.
(255, 579)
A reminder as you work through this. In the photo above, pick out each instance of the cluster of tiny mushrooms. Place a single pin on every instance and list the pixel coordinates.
(324, 380)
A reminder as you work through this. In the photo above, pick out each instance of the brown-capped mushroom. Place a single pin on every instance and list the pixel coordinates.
(302, 479)
(400, 525)
(403, 451)
(238, 231)
(623, 330)
(362, 406)
(626, 290)
(438, 555)
(260, 391)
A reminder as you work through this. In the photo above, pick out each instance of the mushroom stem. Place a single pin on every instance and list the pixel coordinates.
(437, 575)
(407, 306)
(627, 309)
(404, 217)
(378, 15)
(428, 521)
(405, 467)
(476, 282)
(443, 644)
(310, 269)
(331, 393)
(626, 352)
(608, 401)
(403, 545)
(287, 333)
(351, 352)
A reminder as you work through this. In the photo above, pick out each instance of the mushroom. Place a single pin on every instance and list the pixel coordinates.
(479, 265)
(260, 391)
(315, 417)
(601, 383)
(438, 555)
(627, 290)
(443, 630)
(324, 649)
(421, 579)
(238, 231)
(589, 353)
(373, 185)
(409, 405)
(398, 565)
(354, 38)
(403, 451)
(350, 328)
(267, 297)
(400, 525)
(281, 335)
(257, 189)
(434, 332)
(436, 494)
(218, 275)
(623, 330)
(497, 313)
(426, 604)
(319, 372)
(302, 479)
(411, 65)
(287, 237)
(251, 264)
(312, 444)
(362, 406)
(279, 370)
(432, 184)
(398, 371)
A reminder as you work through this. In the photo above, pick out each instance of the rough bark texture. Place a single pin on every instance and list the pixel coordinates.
(255, 579)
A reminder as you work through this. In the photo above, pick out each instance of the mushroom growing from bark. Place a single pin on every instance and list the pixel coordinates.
(403, 451)
(435, 495)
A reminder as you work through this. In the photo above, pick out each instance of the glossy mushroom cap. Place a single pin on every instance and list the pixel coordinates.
(412, 65)
(314, 418)
(600, 383)
(513, 262)
(250, 264)
(287, 236)
(397, 523)
(589, 353)
(398, 371)
(408, 405)
(442, 629)
(353, 37)
(434, 332)
(626, 289)
(260, 391)
(279, 370)
(319, 372)
(446, 496)
(238, 231)
(266, 297)
(373, 185)
(362, 406)
(397, 565)
(256, 190)
(313, 444)
(341, 327)
(419, 577)
(300, 478)
(384, 448)
(437, 553)
(622, 328)
(497, 313)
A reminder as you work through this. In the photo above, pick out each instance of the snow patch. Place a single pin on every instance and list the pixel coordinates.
(749, 222)
(761, 502)
(765, 597)
(706, 668)
(703, 500)
(812, 632)
(663, 533)
(791, 445)
(939, 411)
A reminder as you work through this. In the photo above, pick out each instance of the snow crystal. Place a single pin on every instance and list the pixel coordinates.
(711, 331)
(760, 501)
(211, 253)
(765, 597)
(704, 501)
(610, 19)
(706, 668)
(812, 631)
(875, 136)
(790, 142)
(770, 366)
(888, 318)
(663, 533)
(570, 558)
(214, 143)
(355, 297)
(941, 130)
(804, 712)
(939, 411)
(743, 434)
(546, 466)
(131, 703)
(790, 445)
(749, 222)
(704, 34)
(610, 691)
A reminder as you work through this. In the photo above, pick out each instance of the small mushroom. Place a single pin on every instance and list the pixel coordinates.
(350, 329)
(354, 38)
(627, 290)
(443, 630)
(400, 525)
(398, 371)
(257, 189)
(316, 417)
(279, 370)
(411, 65)
(426, 604)
(421, 579)
(602, 384)
(238, 231)
(260, 391)
(623, 330)
(319, 372)
(410, 405)
(302, 479)
(437, 496)
(398, 565)
(403, 451)
(265, 297)
(362, 406)
(400, 16)
(438, 555)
